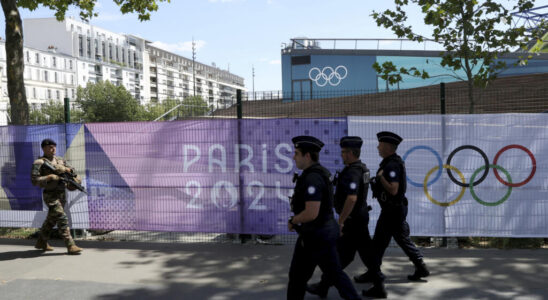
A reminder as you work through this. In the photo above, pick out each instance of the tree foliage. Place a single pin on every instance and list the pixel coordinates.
(52, 112)
(14, 39)
(475, 34)
(106, 102)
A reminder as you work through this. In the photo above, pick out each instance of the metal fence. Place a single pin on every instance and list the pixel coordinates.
(505, 96)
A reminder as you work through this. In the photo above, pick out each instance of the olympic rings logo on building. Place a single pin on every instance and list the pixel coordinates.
(328, 75)
(473, 182)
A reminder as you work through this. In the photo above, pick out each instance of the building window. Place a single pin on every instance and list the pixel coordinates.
(70, 64)
(46, 76)
(37, 58)
(49, 94)
(34, 93)
(81, 45)
(54, 61)
(58, 95)
(28, 56)
(55, 77)
(88, 48)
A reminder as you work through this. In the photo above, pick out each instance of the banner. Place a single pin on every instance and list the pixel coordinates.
(467, 175)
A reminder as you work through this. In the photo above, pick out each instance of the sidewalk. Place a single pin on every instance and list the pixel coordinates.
(132, 270)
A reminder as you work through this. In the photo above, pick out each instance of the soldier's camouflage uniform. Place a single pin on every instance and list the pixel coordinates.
(54, 197)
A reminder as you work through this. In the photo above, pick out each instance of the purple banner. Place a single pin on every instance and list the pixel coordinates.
(199, 176)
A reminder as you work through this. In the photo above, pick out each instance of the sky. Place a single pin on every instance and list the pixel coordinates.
(242, 35)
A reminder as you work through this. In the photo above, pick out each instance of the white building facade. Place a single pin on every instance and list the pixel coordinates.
(60, 56)
(172, 76)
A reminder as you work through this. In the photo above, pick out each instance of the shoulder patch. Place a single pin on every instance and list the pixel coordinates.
(392, 174)
(353, 185)
(311, 190)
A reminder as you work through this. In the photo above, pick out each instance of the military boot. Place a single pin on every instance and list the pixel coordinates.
(377, 291)
(420, 271)
(73, 249)
(317, 289)
(43, 245)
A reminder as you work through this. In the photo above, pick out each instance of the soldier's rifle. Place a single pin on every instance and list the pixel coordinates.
(66, 177)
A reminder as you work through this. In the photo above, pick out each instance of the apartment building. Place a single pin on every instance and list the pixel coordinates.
(48, 75)
(100, 54)
(172, 76)
(61, 56)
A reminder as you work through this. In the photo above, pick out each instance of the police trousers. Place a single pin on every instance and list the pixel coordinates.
(392, 224)
(318, 248)
(355, 238)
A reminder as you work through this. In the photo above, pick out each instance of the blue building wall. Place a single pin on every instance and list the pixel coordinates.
(336, 73)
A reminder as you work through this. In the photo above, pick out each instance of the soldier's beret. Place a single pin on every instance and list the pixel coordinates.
(389, 137)
(47, 142)
(307, 142)
(351, 142)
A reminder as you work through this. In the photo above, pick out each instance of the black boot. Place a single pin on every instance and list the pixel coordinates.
(364, 278)
(317, 289)
(377, 291)
(420, 271)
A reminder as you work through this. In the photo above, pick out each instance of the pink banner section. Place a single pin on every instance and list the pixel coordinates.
(199, 176)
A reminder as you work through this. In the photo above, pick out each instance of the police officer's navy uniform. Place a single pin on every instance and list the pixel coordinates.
(392, 219)
(352, 180)
(316, 244)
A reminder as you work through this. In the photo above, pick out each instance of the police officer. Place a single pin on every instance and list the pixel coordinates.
(53, 196)
(389, 188)
(312, 205)
(352, 185)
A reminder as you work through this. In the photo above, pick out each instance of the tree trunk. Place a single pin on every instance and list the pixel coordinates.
(471, 96)
(15, 63)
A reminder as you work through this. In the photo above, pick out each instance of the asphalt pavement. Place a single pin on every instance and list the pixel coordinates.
(137, 270)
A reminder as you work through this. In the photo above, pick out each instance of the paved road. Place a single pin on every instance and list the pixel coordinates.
(132, 270)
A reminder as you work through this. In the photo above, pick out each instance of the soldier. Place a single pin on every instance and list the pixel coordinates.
(352, 185)
(312, 205)
(389, 188)
(54, 197)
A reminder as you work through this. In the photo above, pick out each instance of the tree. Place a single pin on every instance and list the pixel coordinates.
(53, 112)
(14, 39)
(105, 102)
(475, 34)
(194, 106)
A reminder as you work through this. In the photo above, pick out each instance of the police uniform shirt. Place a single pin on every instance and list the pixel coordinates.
(392, 171)
(349, 184)
(311, 186)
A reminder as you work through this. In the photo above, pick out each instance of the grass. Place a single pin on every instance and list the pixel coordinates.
(17, 233)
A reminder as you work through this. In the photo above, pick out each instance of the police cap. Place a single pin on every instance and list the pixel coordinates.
(389, 137)
(47, 142)
(351, 142)
(307, 142)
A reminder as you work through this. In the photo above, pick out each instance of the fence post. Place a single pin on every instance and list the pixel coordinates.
(239, 104)
(442, 98)
(243, 237)
(67, 110)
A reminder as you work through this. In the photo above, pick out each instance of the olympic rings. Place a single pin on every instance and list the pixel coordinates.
(491, 203)
(533, 161)
(438, 157)
(434, 200)
(485, 159)
(462, 183)
(326, 75)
